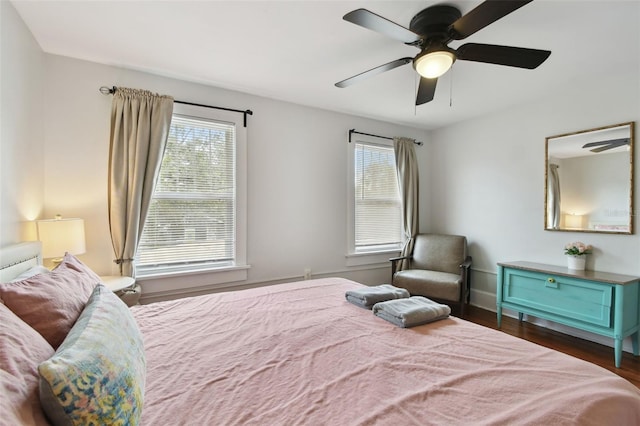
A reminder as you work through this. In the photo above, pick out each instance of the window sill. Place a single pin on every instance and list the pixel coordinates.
(371, 258)
(227, 270)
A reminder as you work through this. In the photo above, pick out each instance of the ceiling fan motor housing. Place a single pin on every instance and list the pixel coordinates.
(435, 21)
(433, 26)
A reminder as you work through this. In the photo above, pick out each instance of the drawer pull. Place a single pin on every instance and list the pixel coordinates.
(551, 280)
(551, 283)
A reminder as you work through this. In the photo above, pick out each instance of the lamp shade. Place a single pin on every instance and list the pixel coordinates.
(573, 221)
(61, 235)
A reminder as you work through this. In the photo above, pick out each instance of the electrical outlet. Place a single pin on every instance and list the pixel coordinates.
(307, 274)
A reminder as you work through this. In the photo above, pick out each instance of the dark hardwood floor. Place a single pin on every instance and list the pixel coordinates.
(593, 352)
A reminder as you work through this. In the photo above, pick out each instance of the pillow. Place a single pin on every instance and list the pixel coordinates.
(97, 375)
(34, 270)
(51, 303)
(21, 350)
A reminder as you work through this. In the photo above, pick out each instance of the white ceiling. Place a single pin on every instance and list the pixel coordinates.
(296, 50)
(571, 145)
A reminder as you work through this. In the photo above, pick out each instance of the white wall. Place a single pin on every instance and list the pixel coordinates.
(297, 172)
(601, 198)
(488, 178)
(488, 182)
(21, 129)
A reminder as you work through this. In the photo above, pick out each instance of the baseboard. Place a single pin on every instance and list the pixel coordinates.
(483, 299)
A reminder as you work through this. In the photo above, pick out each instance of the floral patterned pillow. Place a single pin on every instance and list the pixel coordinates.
(97, 375)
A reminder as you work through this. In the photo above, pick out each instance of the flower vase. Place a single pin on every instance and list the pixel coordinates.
(576, 263)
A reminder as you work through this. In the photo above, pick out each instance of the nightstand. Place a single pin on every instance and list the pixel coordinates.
(124, 287)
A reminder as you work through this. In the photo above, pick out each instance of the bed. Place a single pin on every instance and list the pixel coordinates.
(300, 354)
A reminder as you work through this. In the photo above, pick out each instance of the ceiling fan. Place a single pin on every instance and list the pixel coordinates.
(606, 145)
(432, 29)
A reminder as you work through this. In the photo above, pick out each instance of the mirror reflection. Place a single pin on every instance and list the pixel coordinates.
(589, 180)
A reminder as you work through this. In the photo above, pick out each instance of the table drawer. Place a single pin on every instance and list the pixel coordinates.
(571, 298)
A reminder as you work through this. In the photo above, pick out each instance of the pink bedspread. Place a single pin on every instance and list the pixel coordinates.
(299, 354)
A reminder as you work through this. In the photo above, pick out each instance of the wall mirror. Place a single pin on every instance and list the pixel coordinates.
(589, 180)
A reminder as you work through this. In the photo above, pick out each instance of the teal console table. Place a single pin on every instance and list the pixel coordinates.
(600, 302)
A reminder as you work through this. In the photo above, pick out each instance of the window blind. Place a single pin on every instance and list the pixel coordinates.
(378, 212)
(191, 219)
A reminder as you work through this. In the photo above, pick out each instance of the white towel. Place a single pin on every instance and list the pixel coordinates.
(366, 297)
(410, 312)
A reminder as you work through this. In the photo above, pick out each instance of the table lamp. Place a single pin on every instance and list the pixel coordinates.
(573, 221)
(59, 236)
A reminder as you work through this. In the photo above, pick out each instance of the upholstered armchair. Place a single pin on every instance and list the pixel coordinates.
(438, 269)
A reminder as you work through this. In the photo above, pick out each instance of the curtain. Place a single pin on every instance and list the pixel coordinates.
(553, 197)
(407, 169)
(140, 122)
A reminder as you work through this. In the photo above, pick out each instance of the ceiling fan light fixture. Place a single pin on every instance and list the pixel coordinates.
(435, 63)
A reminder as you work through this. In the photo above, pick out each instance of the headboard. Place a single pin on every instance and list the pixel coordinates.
(17, 258)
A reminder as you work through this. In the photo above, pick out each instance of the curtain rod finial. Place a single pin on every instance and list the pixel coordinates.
(108, 90)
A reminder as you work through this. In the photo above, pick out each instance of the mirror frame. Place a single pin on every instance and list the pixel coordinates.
(631, 125)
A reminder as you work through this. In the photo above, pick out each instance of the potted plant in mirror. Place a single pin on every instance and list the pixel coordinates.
(577, 254)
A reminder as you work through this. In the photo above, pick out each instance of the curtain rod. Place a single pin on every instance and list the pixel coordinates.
(352, 131)
(111, 90)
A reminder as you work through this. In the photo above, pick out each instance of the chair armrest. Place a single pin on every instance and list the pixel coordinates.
(394, 264)
(467, 263)
(466, 279)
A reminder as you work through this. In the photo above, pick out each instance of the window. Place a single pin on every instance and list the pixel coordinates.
(193, 221)
(376, 217)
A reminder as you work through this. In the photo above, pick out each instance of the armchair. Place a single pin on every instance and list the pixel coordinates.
(438, 269)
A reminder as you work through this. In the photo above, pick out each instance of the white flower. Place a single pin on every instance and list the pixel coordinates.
(577, 248)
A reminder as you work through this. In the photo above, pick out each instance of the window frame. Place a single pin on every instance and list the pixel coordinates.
(358, 257)
(237, 269)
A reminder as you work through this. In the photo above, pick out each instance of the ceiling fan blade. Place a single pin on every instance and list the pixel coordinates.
(371, 21)
(617, 142)
(373, 71)
(426, 90)
(483, 15)
(502, 55)
(607, 147)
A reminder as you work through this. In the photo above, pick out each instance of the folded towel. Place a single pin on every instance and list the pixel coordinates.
(366, 297)
(410, 312)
